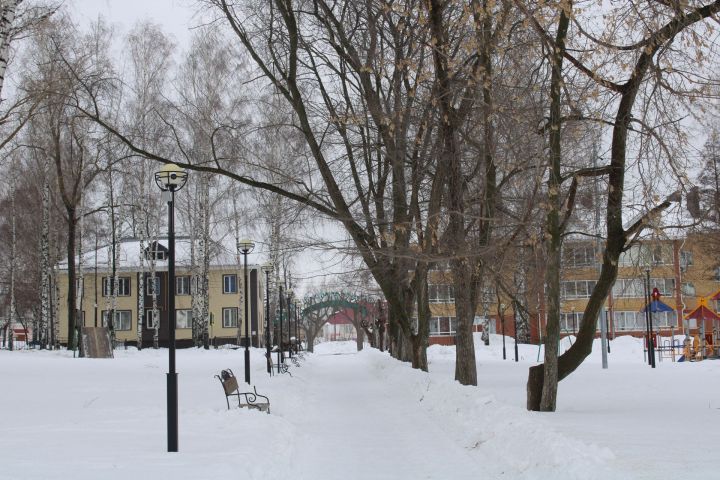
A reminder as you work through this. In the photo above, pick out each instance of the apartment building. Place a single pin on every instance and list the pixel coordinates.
(684, 270)
(225, 287)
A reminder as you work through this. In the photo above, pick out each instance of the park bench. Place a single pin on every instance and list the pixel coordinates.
(279, 368)
(245, 399)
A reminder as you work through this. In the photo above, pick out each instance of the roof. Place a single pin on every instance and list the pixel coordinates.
(703, 312)
(130, 253)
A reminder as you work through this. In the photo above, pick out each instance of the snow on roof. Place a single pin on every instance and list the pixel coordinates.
(130, 253)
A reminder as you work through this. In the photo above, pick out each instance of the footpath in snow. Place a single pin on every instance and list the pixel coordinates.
(343, 415)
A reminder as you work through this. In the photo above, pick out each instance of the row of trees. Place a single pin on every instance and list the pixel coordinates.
(458, 135)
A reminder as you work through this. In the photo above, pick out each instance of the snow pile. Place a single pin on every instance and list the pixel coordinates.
(508, 441)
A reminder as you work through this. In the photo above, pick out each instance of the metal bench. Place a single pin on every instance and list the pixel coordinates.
(280, 367)
(245, 399)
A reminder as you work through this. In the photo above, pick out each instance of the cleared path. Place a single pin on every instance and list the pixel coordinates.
(355, 425)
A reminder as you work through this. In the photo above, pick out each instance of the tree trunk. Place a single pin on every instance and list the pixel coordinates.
(45, 293)
(548, 395)
(465, 365)
(71, 309)
(360, 338)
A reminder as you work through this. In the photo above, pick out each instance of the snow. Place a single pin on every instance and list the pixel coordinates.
(357, 415)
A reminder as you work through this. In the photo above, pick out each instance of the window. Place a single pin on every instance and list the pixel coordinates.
(182, 285)
(156, 251)
(666, 286)
(122, 321)
(229, 283)
(635, 287)
(579, 256)
(570, 321)
(123, 286)
(441, 293)
(152, 286)
(80, 318)
(230, 317)
(647, 255)
(183, 319)
(688, 289)
(443, 326)
(686, 259)
(151, 321)
(637, 321)
(629, 320)
(577, 288)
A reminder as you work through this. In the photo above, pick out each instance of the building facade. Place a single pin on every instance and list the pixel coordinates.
(225, 293)
(684, 270)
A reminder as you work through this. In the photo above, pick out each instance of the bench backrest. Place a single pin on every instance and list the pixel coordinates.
(230, 385)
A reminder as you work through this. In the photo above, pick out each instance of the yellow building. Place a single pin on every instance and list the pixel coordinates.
(683, 270)
(225, 286)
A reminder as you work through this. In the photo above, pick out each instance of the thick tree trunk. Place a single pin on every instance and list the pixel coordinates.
(465, 365)
(71, 308)
(548, 394)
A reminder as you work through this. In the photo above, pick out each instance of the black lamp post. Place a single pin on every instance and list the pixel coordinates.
(297, 327)
(651, 342)
(281, 357)
(246, 247)
(170, 179)
(502, 326)
(267, 268)
(289, 304)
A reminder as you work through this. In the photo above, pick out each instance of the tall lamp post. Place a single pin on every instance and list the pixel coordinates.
(281, 358)
(298, 306)
(289, 304)
(502, 325)
(267, 268)
(246, 247)
(170, 179)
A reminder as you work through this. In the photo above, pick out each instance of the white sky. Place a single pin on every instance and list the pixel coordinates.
(176, 16)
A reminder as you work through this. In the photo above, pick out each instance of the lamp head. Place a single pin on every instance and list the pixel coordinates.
(171, 178)
(246, 245)
(268, 267)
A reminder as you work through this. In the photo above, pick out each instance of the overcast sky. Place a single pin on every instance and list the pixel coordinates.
(176, 16)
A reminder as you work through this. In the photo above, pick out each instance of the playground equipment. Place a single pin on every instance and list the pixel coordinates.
(701, 345)
(666, 347)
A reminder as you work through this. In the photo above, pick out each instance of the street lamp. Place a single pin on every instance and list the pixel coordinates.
(289, 303)
(281, 358)
(298, 306)
(170, 179)
(502, 325)
(246, 247)
(267, 268)
(649, 319)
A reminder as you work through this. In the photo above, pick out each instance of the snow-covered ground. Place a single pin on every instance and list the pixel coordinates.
(350, 415)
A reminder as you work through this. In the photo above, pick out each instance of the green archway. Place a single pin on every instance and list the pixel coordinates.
(336, 301)
(319, 307)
